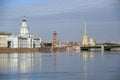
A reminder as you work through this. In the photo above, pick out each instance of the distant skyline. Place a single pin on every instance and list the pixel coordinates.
(66, 17)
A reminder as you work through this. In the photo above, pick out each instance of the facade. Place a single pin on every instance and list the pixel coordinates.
(85, 38)
(37, 42)
(24, 42)
(3, 40)
(24, 30)
(24, 39)
(92, 42)
(13, 41)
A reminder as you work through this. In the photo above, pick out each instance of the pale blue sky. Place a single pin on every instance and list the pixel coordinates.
(66, 17)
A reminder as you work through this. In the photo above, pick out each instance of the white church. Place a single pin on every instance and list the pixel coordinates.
(24, 39)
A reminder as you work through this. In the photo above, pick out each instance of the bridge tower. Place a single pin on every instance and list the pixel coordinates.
(85, 37)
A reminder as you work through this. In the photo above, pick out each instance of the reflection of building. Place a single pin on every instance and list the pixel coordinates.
(85, 56)
(12, 62)
(3, 62)
(24, 39)
(85, 66)
(20, 63)
(3, 39)
(54, 61)
(85, 38)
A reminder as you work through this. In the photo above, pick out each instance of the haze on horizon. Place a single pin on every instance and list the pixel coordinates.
(66, 17)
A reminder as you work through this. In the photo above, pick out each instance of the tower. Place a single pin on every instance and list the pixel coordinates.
(24, 28)
(54, 38)
(85, 38)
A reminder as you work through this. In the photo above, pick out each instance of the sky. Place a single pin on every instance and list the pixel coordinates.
(66, 17)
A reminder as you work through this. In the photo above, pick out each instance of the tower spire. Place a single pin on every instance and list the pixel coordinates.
(24, 19)
(85, 38)
(85, 31)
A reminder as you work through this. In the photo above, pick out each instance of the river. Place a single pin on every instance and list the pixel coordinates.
(60, 66)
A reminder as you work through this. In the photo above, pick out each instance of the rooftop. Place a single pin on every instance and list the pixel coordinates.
(5, 33)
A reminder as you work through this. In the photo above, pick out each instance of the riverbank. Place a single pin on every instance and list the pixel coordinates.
(45, 50)
(19, 50)
(31, 50)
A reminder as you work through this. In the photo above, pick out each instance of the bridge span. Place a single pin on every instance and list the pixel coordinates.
(100, 47)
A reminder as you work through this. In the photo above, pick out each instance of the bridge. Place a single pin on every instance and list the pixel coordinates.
(100, 47)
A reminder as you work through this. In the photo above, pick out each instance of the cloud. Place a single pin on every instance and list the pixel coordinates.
(58, 6)
(64, 16)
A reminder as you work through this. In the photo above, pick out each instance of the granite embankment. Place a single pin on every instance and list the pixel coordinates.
(19, 50)
(29, 50)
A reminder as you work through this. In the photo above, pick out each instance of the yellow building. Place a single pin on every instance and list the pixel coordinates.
(3, 39)
(85, 37)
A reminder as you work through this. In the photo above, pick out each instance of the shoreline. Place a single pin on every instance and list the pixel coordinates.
(19, 50)
(28, 50)
(44, 50)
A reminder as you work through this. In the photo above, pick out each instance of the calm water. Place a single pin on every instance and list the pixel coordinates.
(60, 66)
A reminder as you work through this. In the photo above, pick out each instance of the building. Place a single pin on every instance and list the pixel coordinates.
(13, 41)
(24, 39)
(92, 42)
(85, 37)
(54, 38)
(37, 42)
(3, 40)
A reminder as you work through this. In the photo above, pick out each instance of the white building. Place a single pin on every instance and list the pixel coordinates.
(13, 41)
(92, 42)
(24, 39)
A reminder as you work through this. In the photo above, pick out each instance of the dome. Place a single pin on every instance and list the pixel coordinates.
(92, 42)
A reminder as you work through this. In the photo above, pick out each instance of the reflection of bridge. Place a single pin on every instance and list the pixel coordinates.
(100, 47)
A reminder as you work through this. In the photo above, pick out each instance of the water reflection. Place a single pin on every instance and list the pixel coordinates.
(88, 57)
(85, 58)
(59, 66)
(3, 62)
(20, 63)
(92, 55)
(54, 61)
